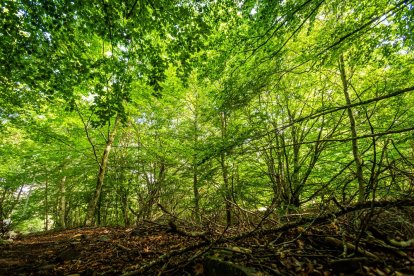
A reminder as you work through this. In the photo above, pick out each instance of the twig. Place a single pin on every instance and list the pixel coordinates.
(338, 243)
(205, 250)
(121, 246)
(174, 229)
(318, 220)
(325, 218)
(140, 269)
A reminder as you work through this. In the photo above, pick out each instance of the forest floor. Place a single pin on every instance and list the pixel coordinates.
(384, 245)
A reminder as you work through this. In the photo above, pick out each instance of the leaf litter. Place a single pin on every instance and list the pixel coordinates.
(336, 246)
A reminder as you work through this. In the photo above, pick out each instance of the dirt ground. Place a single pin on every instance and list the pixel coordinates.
(331, 248)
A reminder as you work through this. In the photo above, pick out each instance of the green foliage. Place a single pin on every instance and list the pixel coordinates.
(224, 105)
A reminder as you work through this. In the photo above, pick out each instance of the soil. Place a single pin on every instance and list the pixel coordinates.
(335, 247)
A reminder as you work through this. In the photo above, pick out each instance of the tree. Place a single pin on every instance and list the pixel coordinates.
(207, 109)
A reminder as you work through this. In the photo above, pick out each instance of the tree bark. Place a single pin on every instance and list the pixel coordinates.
(224, 169)
(355, 150)
(46, 222)
(196, 193)
(62, 203)
(2, 200)
(195, 170)
(101, 175)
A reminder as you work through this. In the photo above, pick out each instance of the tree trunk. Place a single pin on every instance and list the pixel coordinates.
(294, 183)
(46, 222)
(272, 172)
(101, 175)
(227, 197)
(125, 207)
(224, 169)
(355, 150)
(195, 171)
(2, 200)
(62, 203)
(196, 193)
(280, 173)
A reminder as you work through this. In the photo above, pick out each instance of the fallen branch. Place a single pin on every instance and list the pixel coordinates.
(323, 219)
(349, 265)
(121, 246)
(263, 232)
(335, 242)
(141, 269)
(178, 252)
(372, 241)
(175, 229)
(409, 243)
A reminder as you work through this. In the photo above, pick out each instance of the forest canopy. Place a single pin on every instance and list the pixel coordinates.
(111, 109)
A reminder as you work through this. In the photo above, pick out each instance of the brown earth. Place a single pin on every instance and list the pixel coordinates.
(335, 247)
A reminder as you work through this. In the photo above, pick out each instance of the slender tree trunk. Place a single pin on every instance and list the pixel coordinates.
(196, 193)
(224, 169)
(280, 174)
(98, 213)
(195, 171)
(2, 199)
(294, 179)
(272, 171)
(62, 203)
(125, 208)
(226, 187)
(123, 194)
(355, 150)
(46, 205)
(93, 203)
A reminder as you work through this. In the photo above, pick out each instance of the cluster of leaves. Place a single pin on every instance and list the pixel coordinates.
(223, 105)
